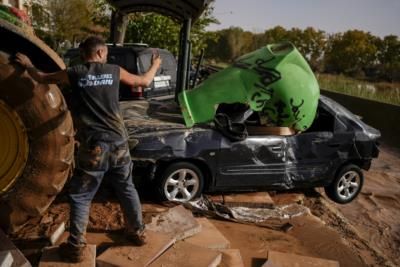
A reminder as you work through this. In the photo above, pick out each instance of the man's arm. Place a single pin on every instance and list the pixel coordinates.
(142, 80)
(42, 77)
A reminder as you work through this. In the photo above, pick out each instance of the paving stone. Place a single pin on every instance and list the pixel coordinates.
(231, 258)
(209, 237)
(279, 259)
(6, 245)
(6, 259)
(51, 258)
(183, 254)
(178, 222)
(131, 256)
(251, 200)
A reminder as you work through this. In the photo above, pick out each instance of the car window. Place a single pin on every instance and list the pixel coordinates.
(324, 121)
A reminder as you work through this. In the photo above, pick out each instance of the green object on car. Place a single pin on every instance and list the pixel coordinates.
(275, 81)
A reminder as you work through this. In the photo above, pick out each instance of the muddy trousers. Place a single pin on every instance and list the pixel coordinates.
(95, 160)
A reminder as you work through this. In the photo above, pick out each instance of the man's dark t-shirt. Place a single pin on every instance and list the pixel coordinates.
(95, 93)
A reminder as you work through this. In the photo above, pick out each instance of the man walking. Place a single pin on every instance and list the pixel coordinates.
(102, 137)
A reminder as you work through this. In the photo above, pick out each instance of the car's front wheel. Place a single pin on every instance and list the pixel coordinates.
(181, 182)
(346, 185)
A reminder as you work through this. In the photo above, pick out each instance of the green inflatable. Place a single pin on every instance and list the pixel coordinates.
(274, 80)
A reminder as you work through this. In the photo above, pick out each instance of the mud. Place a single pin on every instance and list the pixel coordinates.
(375, 214)
(365, 232)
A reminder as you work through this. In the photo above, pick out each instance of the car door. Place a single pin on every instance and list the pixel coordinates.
(311, 156)
(255, 161)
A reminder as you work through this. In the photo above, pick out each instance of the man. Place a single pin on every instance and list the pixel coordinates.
(102, 137)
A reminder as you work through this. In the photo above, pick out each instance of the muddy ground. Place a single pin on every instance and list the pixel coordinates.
(365, 232)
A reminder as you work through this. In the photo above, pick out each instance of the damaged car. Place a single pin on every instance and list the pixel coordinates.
(237, 152)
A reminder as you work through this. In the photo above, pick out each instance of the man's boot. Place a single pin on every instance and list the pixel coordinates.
(137, 237)
(72, 253)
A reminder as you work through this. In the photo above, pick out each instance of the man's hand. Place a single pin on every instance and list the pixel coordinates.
(23, 60)
(156, 59)
(59, 77)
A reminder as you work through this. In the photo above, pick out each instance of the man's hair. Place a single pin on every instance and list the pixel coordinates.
(91, 45)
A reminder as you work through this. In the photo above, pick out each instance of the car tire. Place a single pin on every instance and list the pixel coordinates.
(180, 182)
(347, 184)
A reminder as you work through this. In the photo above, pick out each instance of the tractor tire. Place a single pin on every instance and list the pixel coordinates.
(41, 115)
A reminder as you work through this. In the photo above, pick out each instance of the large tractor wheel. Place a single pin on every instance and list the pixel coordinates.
(36, 145)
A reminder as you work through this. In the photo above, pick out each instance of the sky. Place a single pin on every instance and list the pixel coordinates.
(380, 17)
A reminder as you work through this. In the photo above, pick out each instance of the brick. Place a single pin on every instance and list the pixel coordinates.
(209, 237)
(178, 222)
(157, 243)
(6, 259)
(51, 258)
(231, 258)
(279, 259)
(7, 246)
(251, 200)
(183, 254)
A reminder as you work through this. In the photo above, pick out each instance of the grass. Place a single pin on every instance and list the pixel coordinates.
(380, 91)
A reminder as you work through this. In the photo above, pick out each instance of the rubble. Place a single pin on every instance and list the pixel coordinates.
(51, 258)
(183, 254)
(178, 222)
(250, 200)
(7, 247)
(279, 259)
(56, 232)
(6, 259)
(157, 244)
(209, 237)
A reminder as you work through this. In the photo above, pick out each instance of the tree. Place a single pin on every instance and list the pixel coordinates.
(389, 58)
(350, 53)
(67, 21)
(161, 31)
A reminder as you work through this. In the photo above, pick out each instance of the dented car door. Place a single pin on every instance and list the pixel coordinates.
(255, 161)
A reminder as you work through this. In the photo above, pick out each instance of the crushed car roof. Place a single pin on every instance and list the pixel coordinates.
(177, 9)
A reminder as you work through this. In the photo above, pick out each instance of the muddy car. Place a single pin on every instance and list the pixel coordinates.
(184, 162)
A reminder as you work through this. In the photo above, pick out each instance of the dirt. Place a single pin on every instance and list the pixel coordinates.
(365, 232)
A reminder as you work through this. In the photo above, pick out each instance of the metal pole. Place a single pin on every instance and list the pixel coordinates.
(183, 60)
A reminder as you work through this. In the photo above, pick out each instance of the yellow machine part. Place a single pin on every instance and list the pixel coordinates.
(14, 147)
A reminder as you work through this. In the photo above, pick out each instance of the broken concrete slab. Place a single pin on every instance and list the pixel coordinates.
(178, 222)
(183, 254)
(231, 258)
(279, 259)
(6, 259)
(54, 233)
(250, 200)
(131, 256)
(6, 245)
(51, 258)
(209, 237)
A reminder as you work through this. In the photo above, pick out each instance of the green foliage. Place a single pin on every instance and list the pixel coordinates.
(68, 21)
(163, 32)
(350, 52)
